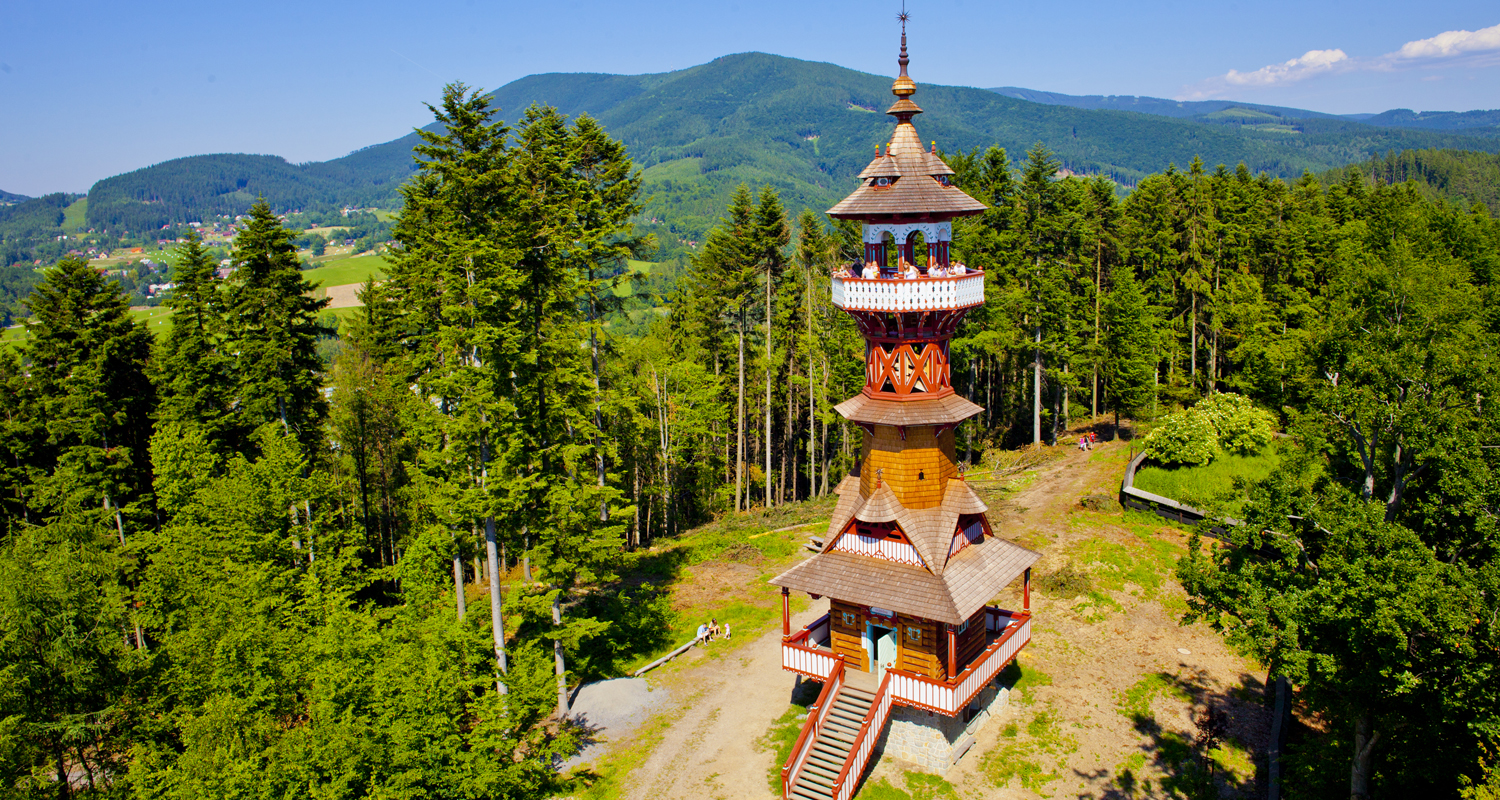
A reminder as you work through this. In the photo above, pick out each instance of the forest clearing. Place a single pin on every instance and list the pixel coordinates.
(1077, 725)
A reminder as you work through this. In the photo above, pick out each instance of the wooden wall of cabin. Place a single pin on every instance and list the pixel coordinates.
(970, 643)
(847, 638)
(918, 651)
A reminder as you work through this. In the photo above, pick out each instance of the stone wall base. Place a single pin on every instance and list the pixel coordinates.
(935, 742)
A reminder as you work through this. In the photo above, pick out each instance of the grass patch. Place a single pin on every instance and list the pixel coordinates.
(919, 786)
(1147, 563)
(783, 733)
(344, 271)
(755, 539)
(75, 216)
(1011, 761)
(1020, 677)
(1135, 702)
(1211, 486)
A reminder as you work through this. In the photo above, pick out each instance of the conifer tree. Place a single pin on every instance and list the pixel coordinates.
(192, 372)
(453, 279)
(771, 236)
(721, 283)
(1129, 344)
(273, 331)
(88, 387)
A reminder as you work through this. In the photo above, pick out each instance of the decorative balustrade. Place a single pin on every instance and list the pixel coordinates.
(896, 294)
(806, 652)
(949, 697)
(810, 729)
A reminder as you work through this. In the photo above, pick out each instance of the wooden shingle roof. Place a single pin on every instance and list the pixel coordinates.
(948, 410)
(930, 530)
(913, 187)
(974, 575)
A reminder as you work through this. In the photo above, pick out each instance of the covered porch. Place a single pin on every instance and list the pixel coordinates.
(809, 652)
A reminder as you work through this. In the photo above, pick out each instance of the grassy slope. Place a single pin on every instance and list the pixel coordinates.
(1210, 485)
(344, 271)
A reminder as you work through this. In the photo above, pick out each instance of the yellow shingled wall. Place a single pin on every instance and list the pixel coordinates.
(917, 469)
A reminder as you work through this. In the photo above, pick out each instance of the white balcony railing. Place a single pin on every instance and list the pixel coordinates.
(806, 651)
(1013, 631)
(896, 294)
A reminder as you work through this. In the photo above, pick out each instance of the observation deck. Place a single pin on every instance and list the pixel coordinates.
(900, 295)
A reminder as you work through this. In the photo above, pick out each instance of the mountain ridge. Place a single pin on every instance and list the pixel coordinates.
(800, 126)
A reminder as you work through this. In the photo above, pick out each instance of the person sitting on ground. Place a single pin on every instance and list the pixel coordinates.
(713, 629)
(703, 632)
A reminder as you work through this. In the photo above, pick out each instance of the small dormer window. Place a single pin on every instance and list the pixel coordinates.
(882, 181)
(946, 180)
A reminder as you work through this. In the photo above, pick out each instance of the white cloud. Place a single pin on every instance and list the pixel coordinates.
(1462, 46)
(1308, 64)
(1450, 43)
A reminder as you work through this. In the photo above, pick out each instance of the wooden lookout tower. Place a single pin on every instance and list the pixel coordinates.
(909, 562)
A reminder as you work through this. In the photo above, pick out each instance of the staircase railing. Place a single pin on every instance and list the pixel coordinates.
(864, 742)
(810, 729)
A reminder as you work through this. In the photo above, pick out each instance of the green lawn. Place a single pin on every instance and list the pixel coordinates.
(1211, 484)
(344, 271)
(74, 216)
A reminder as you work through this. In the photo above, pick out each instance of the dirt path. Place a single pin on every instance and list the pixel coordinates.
(723, 705)
(1112, 692)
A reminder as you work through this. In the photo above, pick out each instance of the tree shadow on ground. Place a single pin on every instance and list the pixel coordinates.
(1220, 754)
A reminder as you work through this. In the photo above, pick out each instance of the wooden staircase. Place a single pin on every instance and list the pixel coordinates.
(831, 750)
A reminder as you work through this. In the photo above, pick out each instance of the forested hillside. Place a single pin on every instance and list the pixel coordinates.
(805, 127)
(1453, 175)
(203, 187)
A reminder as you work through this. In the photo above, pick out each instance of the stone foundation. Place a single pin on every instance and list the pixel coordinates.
(936, 742)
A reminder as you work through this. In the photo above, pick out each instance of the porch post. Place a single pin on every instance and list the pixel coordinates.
(786, 610)
(1025, 591)
(952, 653)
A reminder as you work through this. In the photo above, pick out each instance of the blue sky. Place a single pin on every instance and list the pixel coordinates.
(92, 89)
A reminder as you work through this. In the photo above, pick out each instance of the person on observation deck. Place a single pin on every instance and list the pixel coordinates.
(937, 271)
(871, 270)
(911, 272)
(960, 269)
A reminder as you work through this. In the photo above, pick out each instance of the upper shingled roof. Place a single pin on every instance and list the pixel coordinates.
(915, 178)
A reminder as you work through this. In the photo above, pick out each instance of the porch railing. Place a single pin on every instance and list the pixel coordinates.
(949, 697)
(806, 651)
(896, 294)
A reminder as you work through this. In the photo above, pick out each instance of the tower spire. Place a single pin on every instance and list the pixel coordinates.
(904, 86)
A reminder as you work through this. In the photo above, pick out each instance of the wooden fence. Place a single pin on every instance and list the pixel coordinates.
(1166, 507)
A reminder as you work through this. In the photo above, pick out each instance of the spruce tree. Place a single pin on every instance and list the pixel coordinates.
(192, 372)
(88, 388)
(1129, 344)
(454, 280)
(272, 330)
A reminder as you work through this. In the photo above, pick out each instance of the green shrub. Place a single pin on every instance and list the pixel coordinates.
(1220, 422)
(1185, 437)
(1239, 425)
